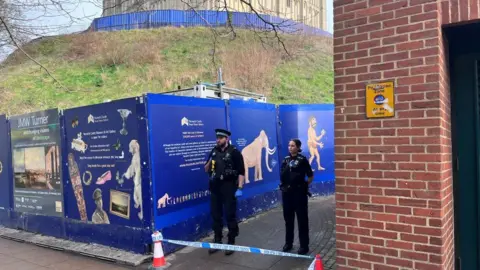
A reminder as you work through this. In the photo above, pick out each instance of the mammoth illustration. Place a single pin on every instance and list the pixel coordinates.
(252, 156)
(162, 202)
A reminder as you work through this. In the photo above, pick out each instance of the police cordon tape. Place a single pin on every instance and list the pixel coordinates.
(157, 236)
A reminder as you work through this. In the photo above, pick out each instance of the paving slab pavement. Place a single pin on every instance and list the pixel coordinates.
(265, 231)
(22, 256)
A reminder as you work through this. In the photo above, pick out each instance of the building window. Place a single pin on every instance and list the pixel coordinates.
(289, 3)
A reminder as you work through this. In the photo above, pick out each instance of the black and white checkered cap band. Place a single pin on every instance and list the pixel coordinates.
(222, 134)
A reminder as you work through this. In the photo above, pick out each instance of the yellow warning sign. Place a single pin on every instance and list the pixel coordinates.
(380, 100)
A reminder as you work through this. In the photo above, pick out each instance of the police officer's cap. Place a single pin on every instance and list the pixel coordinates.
(222, 132)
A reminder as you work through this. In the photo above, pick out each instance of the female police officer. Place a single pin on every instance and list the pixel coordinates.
(295, 195)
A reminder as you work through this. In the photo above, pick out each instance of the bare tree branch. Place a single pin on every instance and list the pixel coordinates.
(31, 58)
(275, 27)
(31, 19)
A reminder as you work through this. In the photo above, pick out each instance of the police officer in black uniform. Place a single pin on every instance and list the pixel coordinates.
(294, 170)
(227, 174)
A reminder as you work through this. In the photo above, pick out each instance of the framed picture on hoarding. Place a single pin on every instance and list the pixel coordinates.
(120, 204)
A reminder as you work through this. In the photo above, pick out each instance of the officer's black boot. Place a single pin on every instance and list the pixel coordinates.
(216, 240)
(287, 247)
(303, 250)
(231, 241)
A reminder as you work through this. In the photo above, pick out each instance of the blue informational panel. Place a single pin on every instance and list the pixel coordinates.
(314, 126)
(5, 165)
(254, 133)
(35, 141)
(182, 134)
(106, 158)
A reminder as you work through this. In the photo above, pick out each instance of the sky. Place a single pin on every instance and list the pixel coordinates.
(79, 17)
(330, 15)
(91, 11)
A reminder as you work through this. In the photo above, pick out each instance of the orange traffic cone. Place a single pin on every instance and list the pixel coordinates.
(318, 263)
(158, 257)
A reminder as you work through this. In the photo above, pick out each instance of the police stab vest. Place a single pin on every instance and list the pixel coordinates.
(292, 173)
(222, 164)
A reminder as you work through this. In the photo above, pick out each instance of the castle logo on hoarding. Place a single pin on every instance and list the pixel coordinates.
(192, 123)
(97, 119)
(184, 121)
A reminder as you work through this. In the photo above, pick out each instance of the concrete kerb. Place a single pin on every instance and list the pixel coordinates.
(90, 250)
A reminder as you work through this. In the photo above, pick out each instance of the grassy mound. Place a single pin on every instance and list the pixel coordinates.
(93, 67)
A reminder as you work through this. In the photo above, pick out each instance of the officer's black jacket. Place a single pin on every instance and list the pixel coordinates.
(294, 170)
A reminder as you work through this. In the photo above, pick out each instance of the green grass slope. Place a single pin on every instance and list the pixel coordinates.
(93, 67)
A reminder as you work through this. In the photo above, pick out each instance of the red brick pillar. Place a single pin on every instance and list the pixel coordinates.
(394, 176)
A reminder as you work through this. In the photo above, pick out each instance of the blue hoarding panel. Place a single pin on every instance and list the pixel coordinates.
(5, 166)
(177, 17)
(36, 157)
(207, 18)
(122, 237)
(160, 18)
(181, 132)
(107, 183)
(254, 133)
(314, 126)
(109, 165)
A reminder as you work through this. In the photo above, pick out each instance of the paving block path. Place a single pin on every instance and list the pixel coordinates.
(265, 231)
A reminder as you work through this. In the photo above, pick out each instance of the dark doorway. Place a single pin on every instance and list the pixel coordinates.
(464, 63)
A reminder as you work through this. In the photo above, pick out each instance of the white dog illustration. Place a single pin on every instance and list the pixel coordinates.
(135, 171)
(162, 202)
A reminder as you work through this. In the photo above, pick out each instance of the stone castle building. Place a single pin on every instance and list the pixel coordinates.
(310, 12)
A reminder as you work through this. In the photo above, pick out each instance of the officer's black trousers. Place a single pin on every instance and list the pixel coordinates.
(223, 196)
(295, 201)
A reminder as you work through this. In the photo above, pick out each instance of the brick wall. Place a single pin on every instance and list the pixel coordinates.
(394, 176)
(454, 11)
